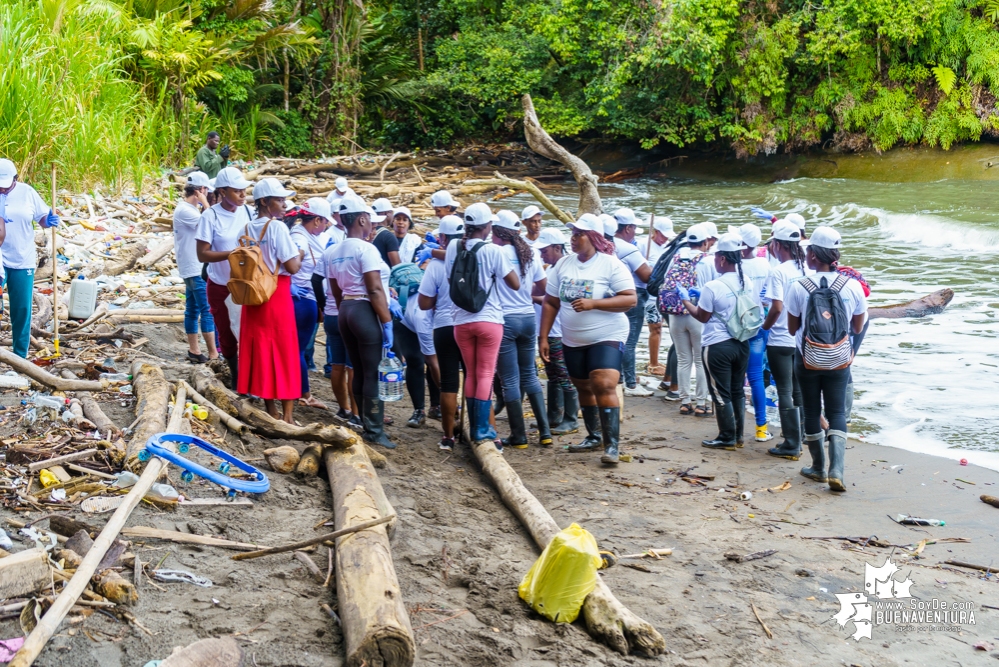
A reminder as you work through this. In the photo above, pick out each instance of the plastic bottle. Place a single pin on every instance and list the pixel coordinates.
(773, 410)
(913, 521)
(163, 493)
(5, 542)
(43, 401)
(390, 378)
(123, 480)
(114, 377)
(11, 380)
(195, 410)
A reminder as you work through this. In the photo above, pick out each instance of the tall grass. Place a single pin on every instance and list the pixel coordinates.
(65, 98)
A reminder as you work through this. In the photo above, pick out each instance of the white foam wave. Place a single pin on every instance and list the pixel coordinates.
(934, 231)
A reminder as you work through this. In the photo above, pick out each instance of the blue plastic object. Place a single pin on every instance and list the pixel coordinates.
(155, 446)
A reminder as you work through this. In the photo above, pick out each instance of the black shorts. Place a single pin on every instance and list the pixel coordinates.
(448, 359)
(581, 361)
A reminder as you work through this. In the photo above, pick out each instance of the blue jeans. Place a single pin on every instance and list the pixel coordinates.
(518, 374)
(336, 352)
(310, 349)
(305, 321)
(757, 359)
(20, 283)
(196, 307)
(636, 320)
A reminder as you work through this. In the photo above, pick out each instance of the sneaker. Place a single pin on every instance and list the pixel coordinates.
(417, 420)
(671, 396)
(355, 420)
(499, 445)
(762, 434)
(446, 444)
(434, 412)
(637, 390)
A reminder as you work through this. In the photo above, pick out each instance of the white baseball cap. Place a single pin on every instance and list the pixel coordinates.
(230, 177)
(352, 203)
(588, 223)
(625, 216)
(319, 207)
(382, 205)
(508, 220)
(7, 173)
(266, 187)
(443, 198)
(402, 210)
(529, 212)
(698, 233)
(198, 179)
(550, 236)
(711, 229)
(751, 234)
(211, 185)
(451, 225)
(663, 224)
(796, 219)
(786, 231)
(477, 214)
(826, 237)
(609, 224)
(340, 184)
(730, 242)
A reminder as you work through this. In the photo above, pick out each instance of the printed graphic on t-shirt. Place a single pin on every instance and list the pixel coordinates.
(575, 288)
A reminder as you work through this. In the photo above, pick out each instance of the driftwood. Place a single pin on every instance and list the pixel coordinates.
(987, 569)
(93, 412)
(607, 619)
(125, 258)
(188, 538)
(542, 144)
(931, 304)
(500, 179)
(152, 392)
(744, 558)
(319, 539)
(155, 255)
(376, 627)
(25, 367)
(231, 422)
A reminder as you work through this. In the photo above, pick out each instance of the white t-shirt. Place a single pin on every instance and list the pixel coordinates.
(718, 296)
(275, 245)
(222, 230)
(20, 208)
(185, 226)
(852, 293)
(435, 283)
(312, 245)
(779, 282)
(321, 265)
(601, 277)
(335, 197)
(705, 268)
(757, 270)
(408, 246)
(556, 331)
(632, 257)
(654, 250)
(493, 267)
(347, 262)
(519, 302)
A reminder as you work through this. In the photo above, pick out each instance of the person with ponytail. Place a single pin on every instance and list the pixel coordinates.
(725, 359)
(757, 270)
(589, 291)
(786, 247)
(824, 391)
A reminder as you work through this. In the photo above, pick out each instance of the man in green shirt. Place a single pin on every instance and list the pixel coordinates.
(207, 160)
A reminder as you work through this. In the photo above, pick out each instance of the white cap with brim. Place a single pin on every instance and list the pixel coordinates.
(711, 229)
(402, 210)
(340, 184)
(443, 198)
(352, 203)
(796, 219)
(7, 173)
(730, 242)
(230, 177)
(588, 223)
(786, 231)
(199, 179)
(451, 225)
(478, 215)
(530, 212)
(211, 185)
(382, 205)
(549, 237)
(698, 233)
(663, 224)
(826, 237)
(507, 220)
(319, 207)
(267, 187)
(609, 224)
(751, 234)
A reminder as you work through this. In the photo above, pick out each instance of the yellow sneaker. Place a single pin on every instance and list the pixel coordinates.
(762, 434)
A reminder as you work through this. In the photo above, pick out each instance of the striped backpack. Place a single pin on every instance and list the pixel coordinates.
(826, 326)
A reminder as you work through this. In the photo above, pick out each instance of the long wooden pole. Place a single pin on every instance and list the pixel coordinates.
(315, 540)
(55, 274)
(49, 623)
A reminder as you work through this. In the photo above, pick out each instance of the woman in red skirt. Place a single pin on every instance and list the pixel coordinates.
(268, 337)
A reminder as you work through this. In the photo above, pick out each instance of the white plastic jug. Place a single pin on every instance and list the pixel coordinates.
(82, 299)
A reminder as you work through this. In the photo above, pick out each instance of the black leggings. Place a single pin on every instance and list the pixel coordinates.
(782, 369)
(407, 346)
(725, 365)
(822, 391)
(362, 336)
(448, 358)
(581, 361)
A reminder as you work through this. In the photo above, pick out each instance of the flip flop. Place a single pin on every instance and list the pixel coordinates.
(313, 402)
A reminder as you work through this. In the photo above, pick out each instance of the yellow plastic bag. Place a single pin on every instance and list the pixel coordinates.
(47, 478)
(562, 577)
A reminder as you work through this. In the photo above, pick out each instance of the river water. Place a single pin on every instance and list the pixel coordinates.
(928, 385)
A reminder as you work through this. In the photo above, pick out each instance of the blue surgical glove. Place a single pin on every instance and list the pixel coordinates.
(682, 292)
(387, 335)
(432, 245)
(423, 255)
(761, 214)
(430, 238)
(52, 220)
(694, 293)
(395, 309)
(298, 291)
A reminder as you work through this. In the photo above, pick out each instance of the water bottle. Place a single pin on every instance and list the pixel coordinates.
(390, 378)
(5, 542)
(114, 377)
(773, 411)
(163, 492)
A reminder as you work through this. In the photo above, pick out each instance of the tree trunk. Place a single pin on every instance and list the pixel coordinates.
(152, 393)
(542, 144)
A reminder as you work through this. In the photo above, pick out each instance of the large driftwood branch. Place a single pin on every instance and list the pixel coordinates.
(504, 181)
(93, 411)
(155, 255)
(152, 393)
(542, 144)
(930, 304)
(44, 377)
(607, 619)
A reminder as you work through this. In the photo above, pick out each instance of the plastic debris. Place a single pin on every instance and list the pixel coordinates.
(182, 576)
(562, 577)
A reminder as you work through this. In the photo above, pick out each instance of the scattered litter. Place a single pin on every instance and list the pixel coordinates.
(562, 577)
(746, 495)
(991, 500)
(181, 576)
(907, 520)
(964, 462)
(756, 555)
(100, 504)
(8, 647)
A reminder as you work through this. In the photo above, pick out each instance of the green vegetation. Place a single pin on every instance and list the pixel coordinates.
(114, 89)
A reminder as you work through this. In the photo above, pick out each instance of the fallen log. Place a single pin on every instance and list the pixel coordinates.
(155, 255)
(230, 422)
(931, 304)
(126, 257)
(500, 179)
(41, 376)
(607, 619)
(376, 627)
(93, 412)
(152, 392)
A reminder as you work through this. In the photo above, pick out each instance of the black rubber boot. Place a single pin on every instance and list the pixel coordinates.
(518, 430)
(725, 415)
(591, 418)
(555, 404)
(610, 427)
(537, 402)
(373, 416)
(791, 447)
(570, 401)
(739, 408)
(816, 447)
(837, 454)
(233, 363)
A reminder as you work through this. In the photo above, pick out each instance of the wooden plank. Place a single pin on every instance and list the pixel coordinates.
(75, 456)
(185, 538)
(24, 573)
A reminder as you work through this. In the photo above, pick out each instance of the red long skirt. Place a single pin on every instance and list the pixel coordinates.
(268, 347)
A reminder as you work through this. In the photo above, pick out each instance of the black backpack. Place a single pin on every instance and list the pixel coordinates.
(826, 337)
(658, 274)
(466, 292)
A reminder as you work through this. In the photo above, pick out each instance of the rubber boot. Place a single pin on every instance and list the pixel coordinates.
(518, 430)
(725, 414)
(591, 418)
(373, 416)
(837, 454)
(537, 402)
(570, 400)
(555, 404)
(816, 447)
(610, 427)
(791, 447)
(478, 413)
(233, 363)
(739, 408)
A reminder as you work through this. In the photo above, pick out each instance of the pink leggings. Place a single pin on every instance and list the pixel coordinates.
(479, 343)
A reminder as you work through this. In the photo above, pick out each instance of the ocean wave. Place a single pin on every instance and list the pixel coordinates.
(935, 231)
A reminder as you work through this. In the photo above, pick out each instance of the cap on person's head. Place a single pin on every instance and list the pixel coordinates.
(198, 179)
(786, 231)
(211, 185)
(382, 205)
(230, 177)
(267, 187)
(711, 229)
(7, 173)
(698, 233)
(319, 207)
(609, 224)
(550, 236)
(477, 214)
(530, 212)
(751, 235)
(402, 210)
(663, 224)
(507, 220)
(352, 203)
(588, 223)
(796, 219)
(826, 237)
(451, 225)
(625, 216)
(443, 198)
(340, 184)
(730, 242)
